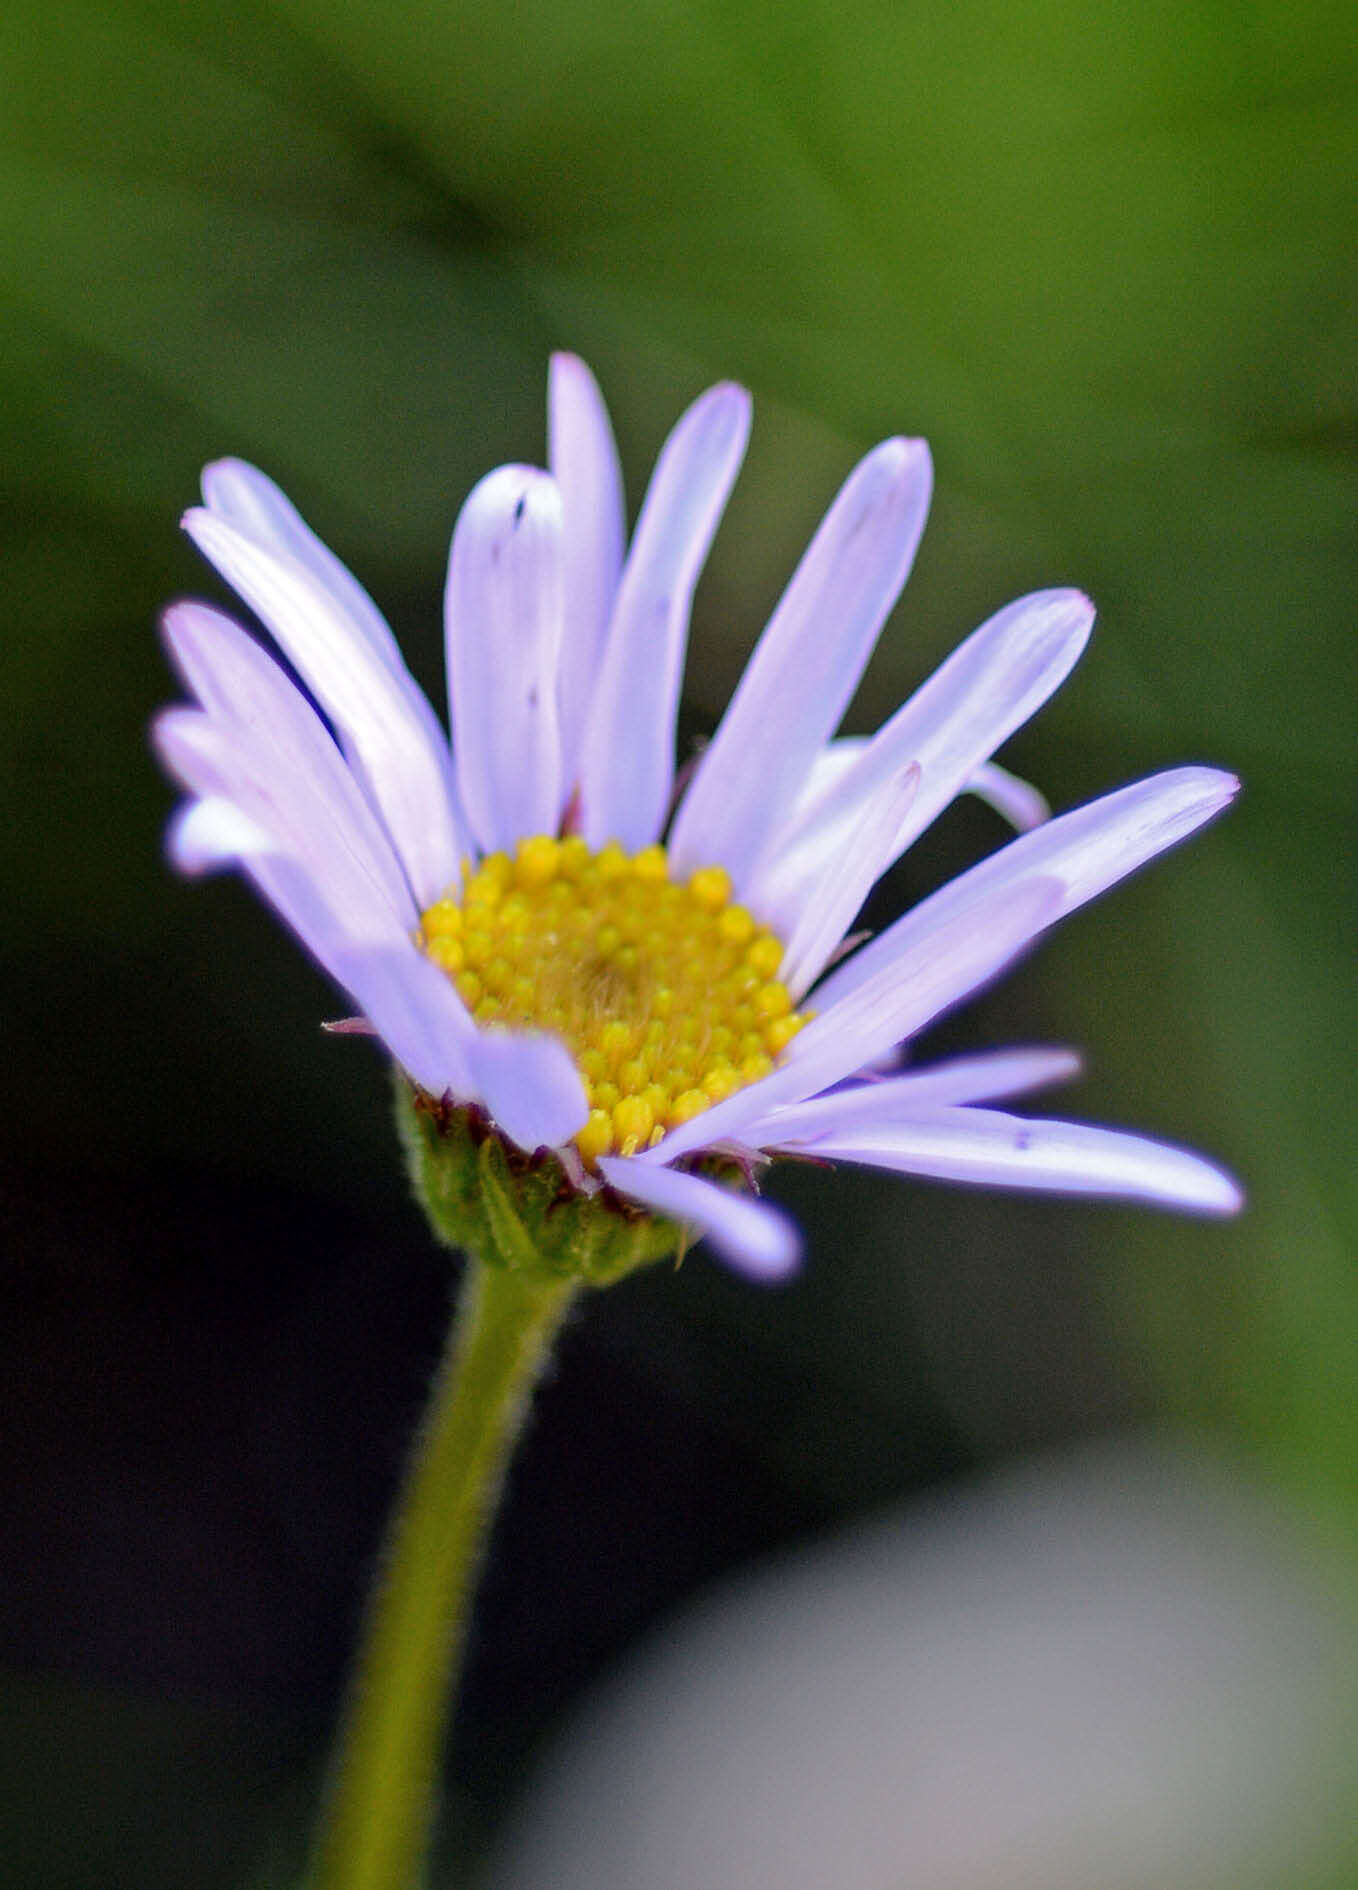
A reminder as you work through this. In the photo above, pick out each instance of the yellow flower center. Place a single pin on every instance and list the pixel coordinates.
(666, 995)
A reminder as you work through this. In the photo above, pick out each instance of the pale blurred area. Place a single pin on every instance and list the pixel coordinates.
(1119, 1669)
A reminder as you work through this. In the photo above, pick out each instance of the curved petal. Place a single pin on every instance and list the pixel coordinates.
(206, 835)
(758, 1240)
(807, 665)
(907, 993)
(583, 458)
(401, 761)
(242, 688)
(627, 767)
(989, 1077)
(1084, 852)
(991, 1149)
(530, 1086)
(502, 614)
(213, 759)
(248, 499)
(973, 702)
(1012, 798)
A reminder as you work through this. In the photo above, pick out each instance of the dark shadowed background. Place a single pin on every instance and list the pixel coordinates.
(1099, 255)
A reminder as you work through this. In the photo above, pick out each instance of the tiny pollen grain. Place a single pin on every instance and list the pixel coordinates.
(666, 995)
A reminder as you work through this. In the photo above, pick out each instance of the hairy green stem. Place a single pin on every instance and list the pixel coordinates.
(383, 1796)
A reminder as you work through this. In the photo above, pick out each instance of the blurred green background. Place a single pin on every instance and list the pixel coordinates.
(1100, 254)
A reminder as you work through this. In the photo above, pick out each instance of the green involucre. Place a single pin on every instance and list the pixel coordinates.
(519, 1211)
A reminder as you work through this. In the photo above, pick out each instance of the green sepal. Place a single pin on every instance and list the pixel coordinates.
(484, 1196)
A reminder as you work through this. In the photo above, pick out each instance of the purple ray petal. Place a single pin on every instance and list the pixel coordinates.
(989, 1077)
(530, 1086)
(627, 768)
(756, 1239)
(403, 767)
(502, 613)
(808, 663)
(204, 836)
(1086, 851)
(976, 699)
(583, 459)
(312, 827)
(249, 500)
(243, 689)
(845, 881)
(907, 993)
(992, 1149)
(1012, 798)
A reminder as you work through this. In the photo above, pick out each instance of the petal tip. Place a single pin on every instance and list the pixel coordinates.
(514, 490)
(564, 364)
(206, 528)
(1079, 603)
(729, 401)
(904, 461)
(1066, 1066)
(911, 456)
(1219, 781)
(228, 466)
(779, 1256)
(1221, 1195)
(1211, 790)
(755, 1238)
(175, 622)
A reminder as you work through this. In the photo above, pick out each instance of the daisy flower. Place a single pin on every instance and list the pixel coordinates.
(641, 972)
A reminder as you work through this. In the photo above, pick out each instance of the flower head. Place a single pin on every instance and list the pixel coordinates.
(545, 930)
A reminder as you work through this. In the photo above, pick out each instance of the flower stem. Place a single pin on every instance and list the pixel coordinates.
(378, 1820)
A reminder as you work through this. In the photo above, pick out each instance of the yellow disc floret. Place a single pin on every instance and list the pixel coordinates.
(666, 994)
